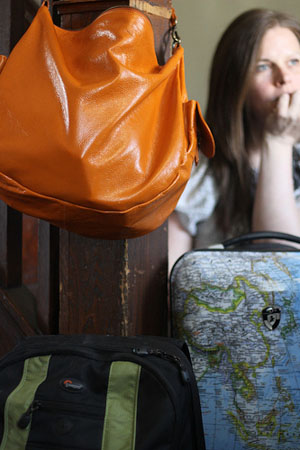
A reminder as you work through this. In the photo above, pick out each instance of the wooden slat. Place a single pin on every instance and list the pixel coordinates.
(11, 24)
(11, 29)
(31, 7)
(5, 29)
(10, 246)
(29, 251)
(81, 6)
(13, 324)
(48, 278)
(77, 6)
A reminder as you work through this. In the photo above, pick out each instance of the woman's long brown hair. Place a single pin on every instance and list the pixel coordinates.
(227, 116)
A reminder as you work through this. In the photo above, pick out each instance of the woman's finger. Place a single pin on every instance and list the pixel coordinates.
(283, 105)
(294, 109)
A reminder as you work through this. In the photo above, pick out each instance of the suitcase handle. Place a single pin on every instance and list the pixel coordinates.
(261, 235)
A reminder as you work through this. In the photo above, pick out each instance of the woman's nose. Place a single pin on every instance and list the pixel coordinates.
(281, 76)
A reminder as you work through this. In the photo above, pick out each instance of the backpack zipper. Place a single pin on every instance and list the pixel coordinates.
(47, 405)
(25, 418)
(185, 378)
(143, 351)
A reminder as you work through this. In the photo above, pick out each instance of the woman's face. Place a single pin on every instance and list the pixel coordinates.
(277, 70)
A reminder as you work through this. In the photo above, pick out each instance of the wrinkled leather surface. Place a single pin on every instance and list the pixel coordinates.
(95, 136)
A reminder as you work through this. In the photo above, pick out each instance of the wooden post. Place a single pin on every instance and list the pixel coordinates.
(114, 287)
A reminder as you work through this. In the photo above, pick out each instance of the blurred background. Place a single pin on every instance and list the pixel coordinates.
(200, 25)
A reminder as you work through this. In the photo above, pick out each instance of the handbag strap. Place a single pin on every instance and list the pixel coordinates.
(260, 235)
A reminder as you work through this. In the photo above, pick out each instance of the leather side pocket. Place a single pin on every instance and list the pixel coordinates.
(191, 127)
(198, 130)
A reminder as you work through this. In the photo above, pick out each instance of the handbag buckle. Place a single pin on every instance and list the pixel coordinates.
(174, 33)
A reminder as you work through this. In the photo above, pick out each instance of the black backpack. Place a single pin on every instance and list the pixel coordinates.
(88, 392)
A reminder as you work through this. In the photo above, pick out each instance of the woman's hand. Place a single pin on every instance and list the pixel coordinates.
(275, 207)
(284, 120)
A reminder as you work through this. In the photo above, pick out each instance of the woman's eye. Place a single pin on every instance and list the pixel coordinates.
(294, 62)
(262, 67)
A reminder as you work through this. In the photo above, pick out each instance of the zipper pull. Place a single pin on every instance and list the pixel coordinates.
(143, 351)
(183, 371)
(140, 351)
(25, 419)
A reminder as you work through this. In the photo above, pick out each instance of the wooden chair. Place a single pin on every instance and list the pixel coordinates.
(53, 281)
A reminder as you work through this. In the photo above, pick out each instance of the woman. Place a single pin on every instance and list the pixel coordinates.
(253, 182)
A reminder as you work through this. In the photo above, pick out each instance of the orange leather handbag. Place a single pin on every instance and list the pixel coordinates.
(95, 136)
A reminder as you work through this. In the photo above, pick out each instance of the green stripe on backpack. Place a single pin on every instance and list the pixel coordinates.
(19, 401)
(121, 406)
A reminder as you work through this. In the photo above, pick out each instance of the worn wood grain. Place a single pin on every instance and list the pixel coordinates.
(91, 272)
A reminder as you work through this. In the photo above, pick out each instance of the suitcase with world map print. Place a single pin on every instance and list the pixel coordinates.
(238, 309)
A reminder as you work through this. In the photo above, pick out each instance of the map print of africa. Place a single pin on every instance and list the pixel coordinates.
(248, 376)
